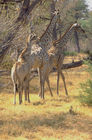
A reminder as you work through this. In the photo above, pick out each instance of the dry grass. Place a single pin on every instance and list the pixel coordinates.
(49, 119)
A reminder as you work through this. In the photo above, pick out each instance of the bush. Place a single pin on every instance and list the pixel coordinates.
(7, 63)
(66, 53)
(86, 95)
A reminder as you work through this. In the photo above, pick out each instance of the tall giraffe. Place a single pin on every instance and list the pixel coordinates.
(37, 56)
(56, 55)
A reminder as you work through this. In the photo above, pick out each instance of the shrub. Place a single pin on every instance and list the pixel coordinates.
(86, 95)
(66, 53)
(7, 63)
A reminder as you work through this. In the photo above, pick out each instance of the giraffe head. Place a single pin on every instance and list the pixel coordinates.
(56, 14)
(78, 28)
(31, 37)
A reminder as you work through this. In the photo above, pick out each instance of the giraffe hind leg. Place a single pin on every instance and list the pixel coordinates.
(63, 78)
(58, 75)
(14, 93)
(48, 83)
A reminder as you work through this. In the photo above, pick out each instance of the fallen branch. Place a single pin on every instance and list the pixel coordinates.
(72, 65)
(34, 73)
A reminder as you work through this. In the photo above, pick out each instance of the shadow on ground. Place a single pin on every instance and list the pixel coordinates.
(62, 121)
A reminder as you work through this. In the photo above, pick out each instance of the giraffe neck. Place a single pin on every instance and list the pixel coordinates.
(60, 43)
(46, 38)
(25, 53)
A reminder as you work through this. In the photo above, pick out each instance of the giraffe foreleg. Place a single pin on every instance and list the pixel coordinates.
(63, 78)
(40, 79)
(14, 93)
(20, 93)
(42, 83)
(25, 94)
(58, 77)
(28, 92)
(42, 94)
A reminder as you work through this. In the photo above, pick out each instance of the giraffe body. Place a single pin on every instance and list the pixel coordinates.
(56, 55)
(36, 57)
(20, 75)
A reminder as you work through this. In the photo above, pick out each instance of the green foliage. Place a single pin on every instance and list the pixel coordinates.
(81, 8)
(7, 65)
(80, 11)
(66, 53)
(86, 95)
(87, 25)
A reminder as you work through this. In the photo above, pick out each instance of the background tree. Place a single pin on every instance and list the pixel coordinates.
(15, 27)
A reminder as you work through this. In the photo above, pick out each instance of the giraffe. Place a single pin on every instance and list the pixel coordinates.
(56, 55)
(15, 79)
(34, 56)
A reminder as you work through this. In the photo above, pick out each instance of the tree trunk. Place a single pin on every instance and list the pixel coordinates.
(52, 9)
(77, 40)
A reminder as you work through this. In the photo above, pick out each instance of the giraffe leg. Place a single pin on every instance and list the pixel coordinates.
(25, 88)
(58, 75)
(48, 83)
(42, 84)
(28, 92)
(28, 97)
(19, 97)
(25, 94)
(40, 92)
(63, 77)
(20, 94)
(14, 93)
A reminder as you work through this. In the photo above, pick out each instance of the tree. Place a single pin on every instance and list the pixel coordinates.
(23, 18)
(24, 12)
(77, 13)
(86, 93)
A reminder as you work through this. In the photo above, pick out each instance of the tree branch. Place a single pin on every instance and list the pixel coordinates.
(24, 12)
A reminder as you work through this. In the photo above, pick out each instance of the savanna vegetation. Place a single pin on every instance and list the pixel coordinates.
(58, 117)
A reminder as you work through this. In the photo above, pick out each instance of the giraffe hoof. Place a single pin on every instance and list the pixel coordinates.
(39, 94)
(42, 98)
(67, 95)
(28, 101)
(20, 102)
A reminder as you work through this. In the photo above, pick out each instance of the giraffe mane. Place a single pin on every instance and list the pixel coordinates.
(47, 28)
(56, 41)
(24, 50)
